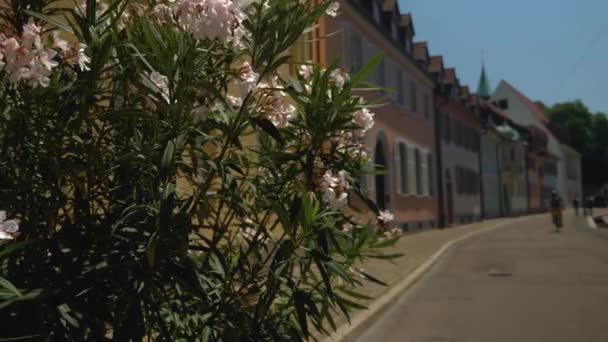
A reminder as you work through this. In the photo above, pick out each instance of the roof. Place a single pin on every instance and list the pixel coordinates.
(408, 23)
(388, 5)
(436, 64)
(531, 106)
(421, 51)
(450, 76)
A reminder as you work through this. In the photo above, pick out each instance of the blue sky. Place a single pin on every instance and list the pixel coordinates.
(539, 46)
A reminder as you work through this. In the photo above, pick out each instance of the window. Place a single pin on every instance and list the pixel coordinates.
(380, 73)
(395, 30)
(418, 173)
(399, 87)
(458, 132)
(354, 45)
(413, 97)
(376, 12)
(403, 168)
(427, 106)
(411, 169)
(447, 128)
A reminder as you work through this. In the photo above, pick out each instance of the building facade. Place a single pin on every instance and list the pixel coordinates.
(459, 147)
(525, 112)
(402, 141)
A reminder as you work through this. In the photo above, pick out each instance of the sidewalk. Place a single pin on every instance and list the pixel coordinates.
(421, 250)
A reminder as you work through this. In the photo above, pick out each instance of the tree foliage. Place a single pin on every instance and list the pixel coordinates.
(588, 134)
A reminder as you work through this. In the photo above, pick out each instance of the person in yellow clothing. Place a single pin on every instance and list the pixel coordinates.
(556, 210)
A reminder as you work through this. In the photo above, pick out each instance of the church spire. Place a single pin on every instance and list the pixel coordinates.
(483, 89)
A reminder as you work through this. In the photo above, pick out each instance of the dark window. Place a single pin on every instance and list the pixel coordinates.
(404, 169)
(414, 96)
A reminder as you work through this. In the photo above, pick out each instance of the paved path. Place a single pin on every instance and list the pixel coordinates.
(520, 283)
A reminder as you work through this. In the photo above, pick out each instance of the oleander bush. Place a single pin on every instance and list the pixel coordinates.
(171, 173)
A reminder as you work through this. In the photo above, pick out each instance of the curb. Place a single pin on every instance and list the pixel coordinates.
(383, 303)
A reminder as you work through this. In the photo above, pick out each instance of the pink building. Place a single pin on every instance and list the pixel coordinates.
(403, 139)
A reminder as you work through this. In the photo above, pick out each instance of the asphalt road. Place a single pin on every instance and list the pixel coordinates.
(520, 283)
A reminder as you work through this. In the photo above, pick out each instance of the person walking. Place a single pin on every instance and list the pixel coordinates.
(556, 210)
(575, 204)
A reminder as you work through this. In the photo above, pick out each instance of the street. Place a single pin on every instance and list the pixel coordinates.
(520, 283)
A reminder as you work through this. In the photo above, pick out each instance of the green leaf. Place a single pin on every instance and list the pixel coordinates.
(64, 311)
(53, 21)
(9, 286)
(367, 69)
(372, 279)
(269, 128)
(299, 302)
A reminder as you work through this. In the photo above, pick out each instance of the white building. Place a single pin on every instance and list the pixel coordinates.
(525, 112)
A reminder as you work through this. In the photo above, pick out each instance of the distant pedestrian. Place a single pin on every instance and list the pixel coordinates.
(589, 206)
(575, 204)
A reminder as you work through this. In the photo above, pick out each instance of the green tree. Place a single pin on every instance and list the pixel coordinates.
(576, 118)
(588, 134)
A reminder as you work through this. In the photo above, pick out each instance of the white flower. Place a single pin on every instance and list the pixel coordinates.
(334, 189)
(234, 101)
(10, 226)
(396, 231)
(83, 59)
(2, 216)
(59, 43)
(9, 230)
(333, 8)
(343, 181)
(386, 217)
(335, 201)
(211, 19)
(247, 76)
(279, 113)
(306, 71)
(347, 227)
(364, 120)
(328, 181)
(161, 83)
(339, 78)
